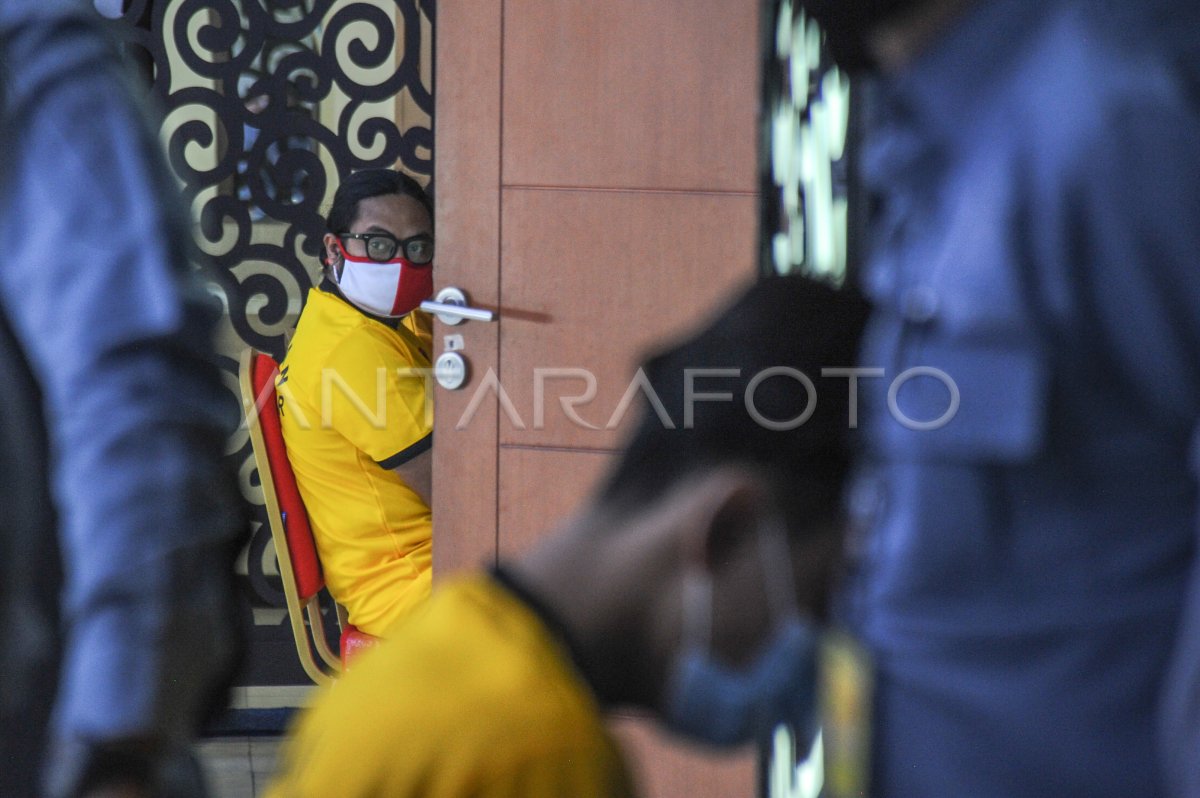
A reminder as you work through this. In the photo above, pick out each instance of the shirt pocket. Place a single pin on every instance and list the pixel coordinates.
(966, 378)
(950, 399)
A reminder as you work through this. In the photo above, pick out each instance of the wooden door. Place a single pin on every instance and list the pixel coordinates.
(596, 173)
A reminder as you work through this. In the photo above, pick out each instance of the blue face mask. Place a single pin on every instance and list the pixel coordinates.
(713, 703)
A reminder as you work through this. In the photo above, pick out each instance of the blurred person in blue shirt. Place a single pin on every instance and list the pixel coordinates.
(119, 522)
(1024, 560)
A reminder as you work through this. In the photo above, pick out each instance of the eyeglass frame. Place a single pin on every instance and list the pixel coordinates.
(399, 245)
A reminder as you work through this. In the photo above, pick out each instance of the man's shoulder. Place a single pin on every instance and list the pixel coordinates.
(477, 697)
(1086, 69)
(18, 12)
(331, 333)
(334, 332)
(476, 615)
(52, 46)
(486, 645)
(478, 668)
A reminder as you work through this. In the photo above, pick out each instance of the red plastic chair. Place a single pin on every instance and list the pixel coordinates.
(299, 565)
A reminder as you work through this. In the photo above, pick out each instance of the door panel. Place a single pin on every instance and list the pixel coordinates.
(541, 489)
(630, 94)
(603, 277)
(595, 180)
(467, 140)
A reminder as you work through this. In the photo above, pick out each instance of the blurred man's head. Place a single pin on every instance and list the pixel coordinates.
(703, 563)
(747, 391)
(861, 33)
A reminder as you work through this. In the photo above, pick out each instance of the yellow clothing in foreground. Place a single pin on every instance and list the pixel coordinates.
(352, 409)
(472, 697)
(421, 324)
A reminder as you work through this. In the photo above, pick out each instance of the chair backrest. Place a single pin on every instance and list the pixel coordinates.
(299, 565)
(302, 549)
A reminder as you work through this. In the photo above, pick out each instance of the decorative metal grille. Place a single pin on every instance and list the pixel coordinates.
(267, 104)
(808, 224)
(804, 154)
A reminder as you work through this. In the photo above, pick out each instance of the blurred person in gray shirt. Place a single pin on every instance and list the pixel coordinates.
(119, 521)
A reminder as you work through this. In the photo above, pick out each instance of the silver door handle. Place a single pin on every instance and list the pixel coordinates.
(450, 306)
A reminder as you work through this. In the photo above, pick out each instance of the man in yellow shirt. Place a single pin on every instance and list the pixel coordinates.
(690, 586)
(353, 402)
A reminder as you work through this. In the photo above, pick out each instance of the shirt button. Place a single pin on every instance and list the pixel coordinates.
(866, 506)
(866, 498)
(919, 304)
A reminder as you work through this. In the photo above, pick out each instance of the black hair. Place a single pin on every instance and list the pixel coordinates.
(365, 184)
(780, 326)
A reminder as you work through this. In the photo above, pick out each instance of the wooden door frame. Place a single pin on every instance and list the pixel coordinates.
(467, 142)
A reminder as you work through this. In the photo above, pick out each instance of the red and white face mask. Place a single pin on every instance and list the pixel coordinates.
(390, 289)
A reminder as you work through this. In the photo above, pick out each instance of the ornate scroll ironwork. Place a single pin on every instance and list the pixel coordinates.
(267, 104)
(808, 224)
(804, 157)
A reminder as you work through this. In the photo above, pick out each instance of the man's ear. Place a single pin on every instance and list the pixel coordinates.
(727, 507)
(332, 256)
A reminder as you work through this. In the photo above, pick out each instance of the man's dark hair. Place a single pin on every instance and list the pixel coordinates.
(781, 326)
(365, 184)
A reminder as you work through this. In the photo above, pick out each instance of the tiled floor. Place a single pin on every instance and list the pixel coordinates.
(239, 767)
(267, 697)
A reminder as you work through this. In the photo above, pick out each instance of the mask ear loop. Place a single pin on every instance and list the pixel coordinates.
(697, 610)
(338, 263)
(776, 558)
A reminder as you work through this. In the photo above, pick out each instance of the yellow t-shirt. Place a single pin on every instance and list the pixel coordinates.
(421, 324)
(471, 697)
(352, 408)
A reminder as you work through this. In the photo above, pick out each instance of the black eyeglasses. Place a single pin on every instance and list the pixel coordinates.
(382, 247)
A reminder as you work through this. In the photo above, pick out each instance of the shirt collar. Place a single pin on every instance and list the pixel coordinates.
(930, 101)
(328, 286)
